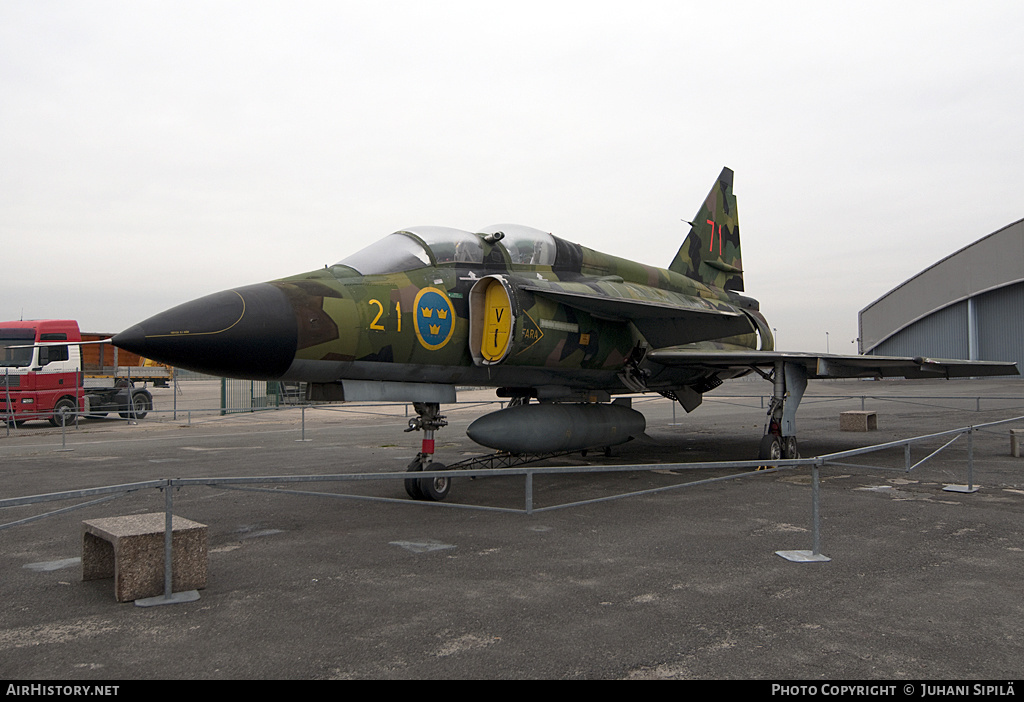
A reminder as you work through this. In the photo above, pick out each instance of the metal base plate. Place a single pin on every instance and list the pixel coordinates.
(960, 488)
(803, 556)
(175, 598)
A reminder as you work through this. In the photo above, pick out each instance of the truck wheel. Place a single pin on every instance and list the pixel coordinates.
(141, 406)
(64, 412)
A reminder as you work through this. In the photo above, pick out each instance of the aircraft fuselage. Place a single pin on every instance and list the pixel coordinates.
(574, 323)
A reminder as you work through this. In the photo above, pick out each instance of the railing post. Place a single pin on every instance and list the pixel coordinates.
(303, 425)
(63, 432)
(9, 418)
(132, 415)
(168, 538)
(970, 458)
(815, 512)
(970, 486)
(814, 555)
(168, 597)
(529, 492)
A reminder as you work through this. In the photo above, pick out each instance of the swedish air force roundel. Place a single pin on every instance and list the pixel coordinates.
(435, 318)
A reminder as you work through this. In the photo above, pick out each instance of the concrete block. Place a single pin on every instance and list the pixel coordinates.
(858, 421)
(131, 550)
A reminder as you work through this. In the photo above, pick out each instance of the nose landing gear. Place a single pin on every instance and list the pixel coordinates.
(429, 420)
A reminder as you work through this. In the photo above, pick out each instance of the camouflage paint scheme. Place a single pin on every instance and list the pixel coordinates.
(365, 326)
(429, 306)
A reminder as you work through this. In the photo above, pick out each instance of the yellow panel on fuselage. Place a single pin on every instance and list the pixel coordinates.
(497, 331)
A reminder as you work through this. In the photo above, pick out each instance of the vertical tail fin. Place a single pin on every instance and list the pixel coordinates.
(711, 251)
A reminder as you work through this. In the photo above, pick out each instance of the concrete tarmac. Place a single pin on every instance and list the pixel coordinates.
(923, 584)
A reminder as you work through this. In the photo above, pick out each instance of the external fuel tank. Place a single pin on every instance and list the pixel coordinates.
(557, 426)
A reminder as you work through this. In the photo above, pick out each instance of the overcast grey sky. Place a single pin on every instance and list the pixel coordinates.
(153, 152)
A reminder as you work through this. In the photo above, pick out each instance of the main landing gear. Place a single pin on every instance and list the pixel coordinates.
(789, 381)
(429, 420)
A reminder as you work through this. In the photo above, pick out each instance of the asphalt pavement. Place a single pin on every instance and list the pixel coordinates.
(923, 583)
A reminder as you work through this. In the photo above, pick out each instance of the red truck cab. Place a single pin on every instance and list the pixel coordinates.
(40, 378)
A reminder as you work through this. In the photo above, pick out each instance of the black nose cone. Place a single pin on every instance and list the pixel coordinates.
(247, 332)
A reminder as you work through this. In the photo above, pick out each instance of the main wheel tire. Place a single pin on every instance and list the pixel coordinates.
(435, 489)
(770, 449)
(789, 447)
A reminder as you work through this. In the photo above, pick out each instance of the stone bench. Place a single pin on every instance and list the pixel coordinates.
(131, 550)
(858, 421)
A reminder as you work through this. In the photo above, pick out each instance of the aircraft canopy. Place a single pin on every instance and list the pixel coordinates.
(418, 247)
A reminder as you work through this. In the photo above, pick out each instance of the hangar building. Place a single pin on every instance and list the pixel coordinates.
(969, 305)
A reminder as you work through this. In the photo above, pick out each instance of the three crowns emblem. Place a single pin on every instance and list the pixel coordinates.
(434, 318)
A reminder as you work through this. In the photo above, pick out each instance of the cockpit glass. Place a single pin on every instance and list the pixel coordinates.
(525, 245)
(395, 252)
(404, 250)
(451, 245)
(436, 246)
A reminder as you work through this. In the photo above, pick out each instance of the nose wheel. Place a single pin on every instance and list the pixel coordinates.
(429, 419)
(431, 489)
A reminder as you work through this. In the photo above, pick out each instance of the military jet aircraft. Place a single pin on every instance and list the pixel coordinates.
(427, 309)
